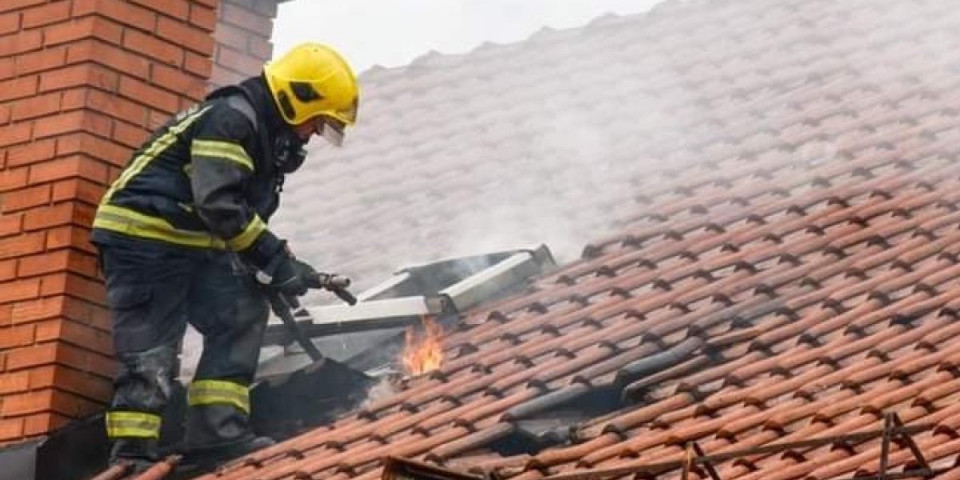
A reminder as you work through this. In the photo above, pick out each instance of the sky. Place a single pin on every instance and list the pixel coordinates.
(392, 33)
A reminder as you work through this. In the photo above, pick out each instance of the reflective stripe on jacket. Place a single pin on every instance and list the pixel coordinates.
(202, 180)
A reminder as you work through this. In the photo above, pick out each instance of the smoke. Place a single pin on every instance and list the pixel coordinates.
(555, 140)
(385, 387)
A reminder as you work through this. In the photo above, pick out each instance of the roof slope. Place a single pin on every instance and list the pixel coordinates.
(788, 270)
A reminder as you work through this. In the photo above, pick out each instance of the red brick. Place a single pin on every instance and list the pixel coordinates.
(86, 384)
(41, 423)
(40, 309)
(157, 118)
(11, 224)
(153, 47)
(246, 19)
(77, 120)
(70, 380)
(74, 285)
(8, 270)
(41, 377)
(80, 28)
(47, 262)
(9, 5)
(20, 42)
(78, 334)
(69, 167)
(148, 94)
(120, 10)
(46, 59)
(19, 290)
(69, 76)
(26, 198)
(70, 236)
(72, 405)
(86, 75)
(85, 313)
(107, 150)
(27, 402)
(33, 152)
(11, 428)
(116, 106)
(46, 14)
(14, 382)
(12, 135)
(17, 336)
(7, 68)
(67, 213)
(92, 50)
(37, 106)
(73, 98)
(9, 23)
(184, 34)
(48, 216)
(21, 245)
(86, 360)
(13, 178)
(129, 135)
(178, 81)
(39, 354)
(203, 17)
(83, 264)
(197, 64)
(18, 88)
(176, 9)
(78, 189)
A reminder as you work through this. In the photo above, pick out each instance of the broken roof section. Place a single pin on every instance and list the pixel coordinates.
(787, 267)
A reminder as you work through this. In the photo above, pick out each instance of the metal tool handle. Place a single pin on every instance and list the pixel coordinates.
(282, 306)
(335, 284)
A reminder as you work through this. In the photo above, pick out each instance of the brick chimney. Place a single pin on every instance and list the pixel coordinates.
(82, 83)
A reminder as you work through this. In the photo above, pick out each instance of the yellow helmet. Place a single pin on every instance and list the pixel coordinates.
(310, 80)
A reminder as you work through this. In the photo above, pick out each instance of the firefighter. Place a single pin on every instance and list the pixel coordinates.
(182, 235)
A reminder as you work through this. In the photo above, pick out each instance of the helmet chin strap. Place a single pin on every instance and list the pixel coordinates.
(289, 152)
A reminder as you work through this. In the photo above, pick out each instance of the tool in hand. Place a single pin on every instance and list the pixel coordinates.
(283, 306)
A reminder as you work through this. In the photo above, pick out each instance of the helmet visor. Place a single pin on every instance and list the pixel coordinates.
(332, 130)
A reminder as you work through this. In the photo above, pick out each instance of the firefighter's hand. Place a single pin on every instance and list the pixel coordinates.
(293, 277)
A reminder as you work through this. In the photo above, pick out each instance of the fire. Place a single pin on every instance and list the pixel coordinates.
(424, 350)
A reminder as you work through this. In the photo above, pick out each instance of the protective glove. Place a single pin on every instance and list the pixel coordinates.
(293, 277)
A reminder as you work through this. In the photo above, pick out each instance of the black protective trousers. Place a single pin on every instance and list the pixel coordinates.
(153, 291)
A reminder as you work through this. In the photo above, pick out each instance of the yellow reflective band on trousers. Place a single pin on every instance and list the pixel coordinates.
(133, 223)
(219, 149)
(160, 144)
(132, 424)
(219, 392)
(248, 235)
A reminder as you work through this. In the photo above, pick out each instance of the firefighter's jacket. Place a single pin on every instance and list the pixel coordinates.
(206, 179)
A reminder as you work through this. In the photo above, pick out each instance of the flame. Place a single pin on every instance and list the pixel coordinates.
(423, 351)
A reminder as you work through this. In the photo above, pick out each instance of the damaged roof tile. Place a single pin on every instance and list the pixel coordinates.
(774, 251)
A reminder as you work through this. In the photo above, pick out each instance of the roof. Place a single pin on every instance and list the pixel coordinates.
(785, 267)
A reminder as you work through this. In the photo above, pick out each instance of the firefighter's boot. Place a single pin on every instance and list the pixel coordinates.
(218, 432)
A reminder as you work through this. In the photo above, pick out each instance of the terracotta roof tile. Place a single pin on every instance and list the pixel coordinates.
(774, 251)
